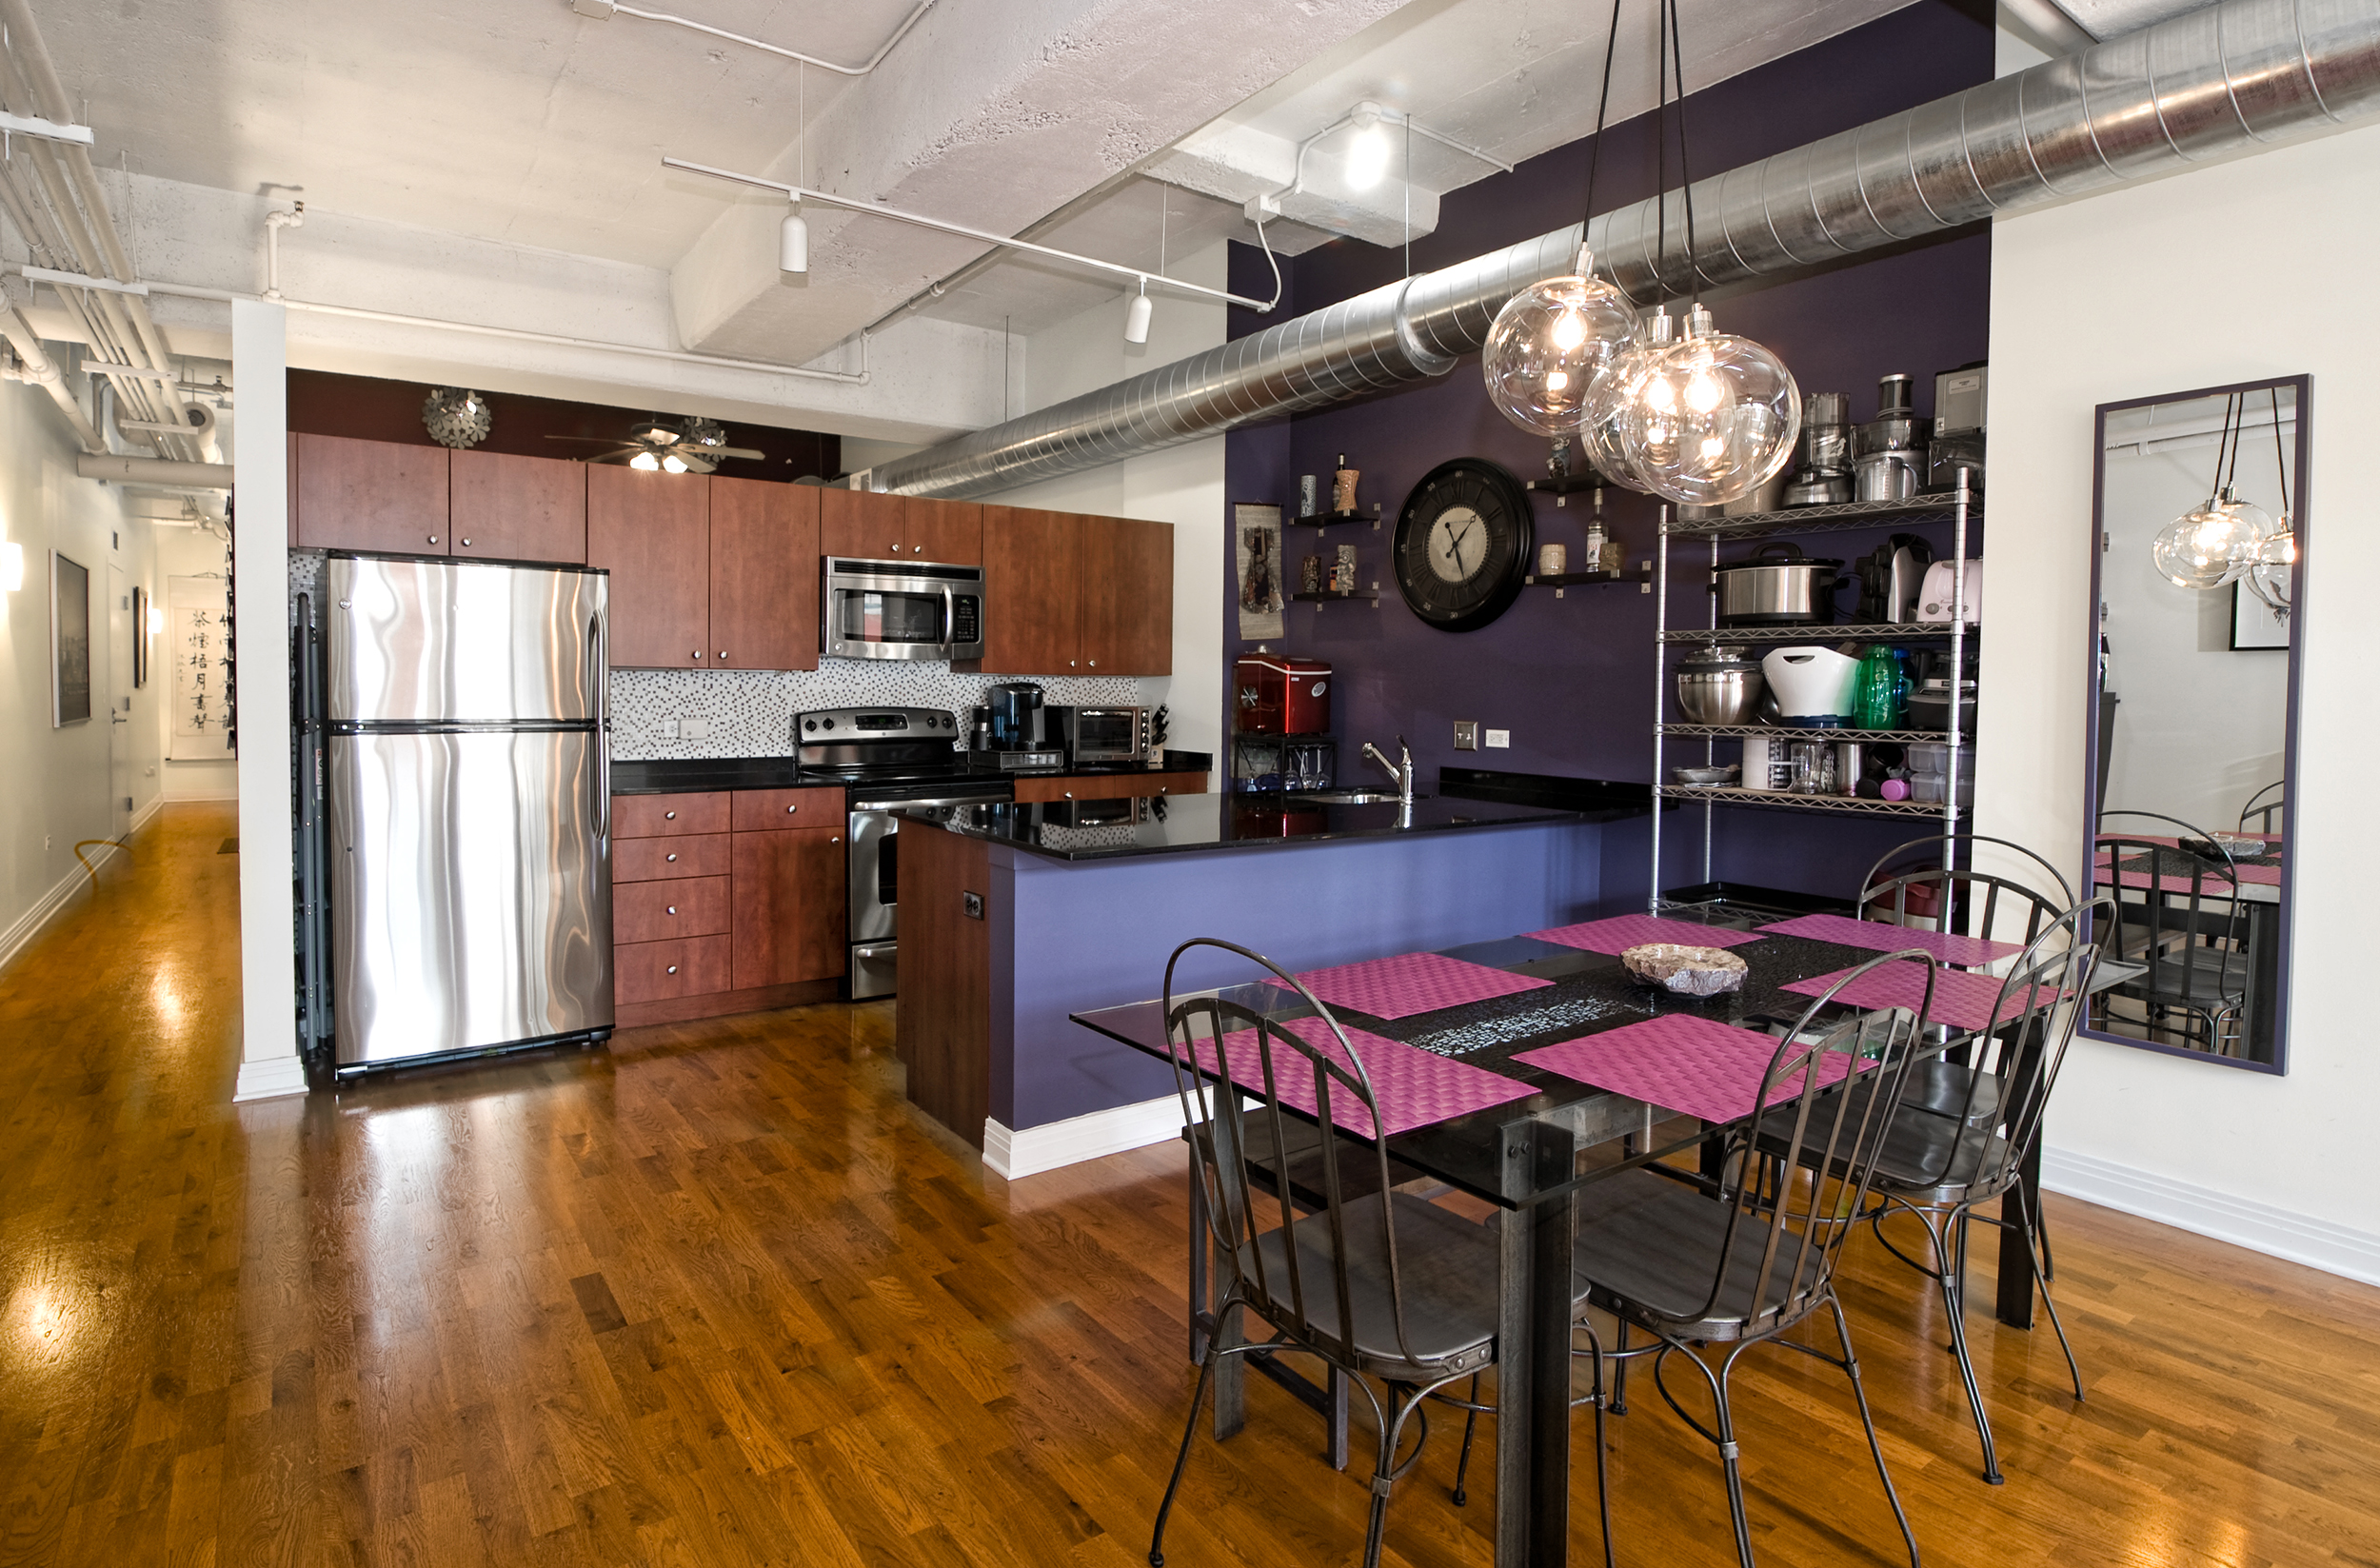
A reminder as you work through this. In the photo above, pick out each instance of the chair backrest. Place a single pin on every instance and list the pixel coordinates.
(2186, 896)
(1835, 1136)
(2272, 815)
(1893, 890)
(2015, 1060)
(1225, 1050)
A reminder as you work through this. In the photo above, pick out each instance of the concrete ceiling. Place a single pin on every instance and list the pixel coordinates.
(521, 122)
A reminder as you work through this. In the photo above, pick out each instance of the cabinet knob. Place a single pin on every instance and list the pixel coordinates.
(896, 549)
(669, 817)
(467, 544)
(695, 654)
(723, 654)
(1070, 664)
(1094, 663)
(837, 839)
(917, 549)
(1070, 794)
(673, 908)
(433, 539)
(671, 858)
(673, 968)
(791, 809)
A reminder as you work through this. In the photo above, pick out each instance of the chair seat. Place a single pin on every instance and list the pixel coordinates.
(1946, 1088)
(1446, 1266)
(2210, 975)
(1647, 1247)
(1925, 1157)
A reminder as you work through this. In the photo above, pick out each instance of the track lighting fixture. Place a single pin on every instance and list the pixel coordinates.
(1137, 316)
(793, 243)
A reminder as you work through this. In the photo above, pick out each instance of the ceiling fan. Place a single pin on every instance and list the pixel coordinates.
(693, 446)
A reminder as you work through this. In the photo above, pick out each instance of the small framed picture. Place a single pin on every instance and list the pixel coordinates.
(2254, 624)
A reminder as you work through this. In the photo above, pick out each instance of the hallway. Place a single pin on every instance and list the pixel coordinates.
(717, 1296)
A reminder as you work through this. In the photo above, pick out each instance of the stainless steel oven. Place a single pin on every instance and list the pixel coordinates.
(902, 609)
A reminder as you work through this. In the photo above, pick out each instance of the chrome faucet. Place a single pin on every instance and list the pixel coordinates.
(1400, 770)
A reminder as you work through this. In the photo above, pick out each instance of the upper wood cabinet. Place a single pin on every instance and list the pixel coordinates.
(368, 495)
(1127, 596)
(651, 531)
(869, 527)
(506, 508)
(1072, 595)
(764, 575)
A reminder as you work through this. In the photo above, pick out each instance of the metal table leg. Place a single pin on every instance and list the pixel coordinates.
(1533, 1349)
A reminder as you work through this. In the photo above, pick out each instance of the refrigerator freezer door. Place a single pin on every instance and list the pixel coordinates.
(463, 641)
(470, 890)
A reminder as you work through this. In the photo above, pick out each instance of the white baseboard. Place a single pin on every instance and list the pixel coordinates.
(29, 925)
(271, 1079)
(2260, 1227)
(146, 813)
(1029, 1151)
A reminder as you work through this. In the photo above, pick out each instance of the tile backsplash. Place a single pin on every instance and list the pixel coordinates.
(751, 712)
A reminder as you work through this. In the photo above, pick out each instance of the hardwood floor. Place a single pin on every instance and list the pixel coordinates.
(717, 1294)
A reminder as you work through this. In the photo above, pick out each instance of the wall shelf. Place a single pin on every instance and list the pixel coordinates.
(1369, 595)
(1559, 581)
(1324, 519)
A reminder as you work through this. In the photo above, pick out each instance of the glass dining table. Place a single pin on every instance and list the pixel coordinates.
(1531, 1157)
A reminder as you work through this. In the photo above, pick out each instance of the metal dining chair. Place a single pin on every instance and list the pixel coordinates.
(2190, 940)
(1387, 1288)
(1742, 1266)
(1942, 1169)
(2270, 814)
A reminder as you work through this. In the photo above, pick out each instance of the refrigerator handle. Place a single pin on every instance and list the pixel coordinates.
(598, 665)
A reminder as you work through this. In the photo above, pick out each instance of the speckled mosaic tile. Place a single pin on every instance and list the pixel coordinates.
(751, 711)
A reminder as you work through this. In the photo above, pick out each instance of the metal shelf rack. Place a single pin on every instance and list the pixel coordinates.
(1959, 509)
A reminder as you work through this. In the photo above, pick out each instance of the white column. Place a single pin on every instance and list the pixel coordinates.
(260, 554)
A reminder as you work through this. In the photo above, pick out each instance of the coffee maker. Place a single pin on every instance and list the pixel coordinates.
(1016, 716)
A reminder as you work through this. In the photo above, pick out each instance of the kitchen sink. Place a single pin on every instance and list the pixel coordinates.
(1349, 797)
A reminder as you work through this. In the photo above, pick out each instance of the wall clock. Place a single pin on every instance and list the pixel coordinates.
(1463, 544)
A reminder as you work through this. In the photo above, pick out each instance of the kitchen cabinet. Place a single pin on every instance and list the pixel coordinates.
(1076, 595)
(1110, 787)
(505, 507)
(885, 528)
(367, 495)
(790, 905)
(726, 901)
(651, 531)
(764, 575)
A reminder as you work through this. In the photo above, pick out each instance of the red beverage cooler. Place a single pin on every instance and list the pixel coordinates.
(1272, 695)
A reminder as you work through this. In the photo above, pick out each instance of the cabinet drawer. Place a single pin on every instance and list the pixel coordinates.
(680, 855)
(758, 810)
(655, 971)
(683, 906)
(658, 816)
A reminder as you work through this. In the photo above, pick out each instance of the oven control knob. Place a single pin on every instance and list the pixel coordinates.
(809, 725)
(827, 723)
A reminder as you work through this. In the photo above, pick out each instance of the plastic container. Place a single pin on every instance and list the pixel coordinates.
(1931, 758)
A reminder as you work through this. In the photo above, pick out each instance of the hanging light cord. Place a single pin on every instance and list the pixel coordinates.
(2227, 450)
(1602, 108)
(2280, 463)
(1685, 171)
(1660, 160)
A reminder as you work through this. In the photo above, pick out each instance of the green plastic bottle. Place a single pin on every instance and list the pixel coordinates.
(1880, 689)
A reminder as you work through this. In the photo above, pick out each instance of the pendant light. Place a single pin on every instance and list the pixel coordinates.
(1609, 400)
(1553, 339)
(1136, 315)
(793, 235)
(2217, 544)
(1715, 416)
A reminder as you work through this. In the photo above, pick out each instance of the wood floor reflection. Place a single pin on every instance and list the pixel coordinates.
(717, 1296)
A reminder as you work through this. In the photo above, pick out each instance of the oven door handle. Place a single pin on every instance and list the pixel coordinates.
(950, 625)
(876, 950)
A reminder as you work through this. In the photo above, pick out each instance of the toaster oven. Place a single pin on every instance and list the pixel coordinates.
(1103, 734)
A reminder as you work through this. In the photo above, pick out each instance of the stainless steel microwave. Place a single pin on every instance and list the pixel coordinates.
(902, 609)
(1103, 734)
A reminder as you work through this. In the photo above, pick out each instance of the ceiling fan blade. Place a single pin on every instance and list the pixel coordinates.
(606, 440)
(698, 463)
(745, 452)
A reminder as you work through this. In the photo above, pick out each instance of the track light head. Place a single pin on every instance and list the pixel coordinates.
(1136, 315)
(793, 243)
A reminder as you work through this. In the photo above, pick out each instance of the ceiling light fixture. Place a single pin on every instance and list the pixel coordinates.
(1136, 315)
(646, 462)
(1713, 416)
(803, 193)
(1368, 157)
(1553, 341)
(2225, 538)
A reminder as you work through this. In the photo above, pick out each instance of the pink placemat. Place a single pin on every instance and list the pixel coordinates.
(1413, 982)
(1959, 998)
(1617, 933)
(1883, 937)
(1681, 1062)
(1413, 1087)
(2268, 876)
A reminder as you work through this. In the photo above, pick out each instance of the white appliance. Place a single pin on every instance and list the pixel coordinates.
(1933, 596)
(1810, 683)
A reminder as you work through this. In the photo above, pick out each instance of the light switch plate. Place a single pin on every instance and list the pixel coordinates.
(1498, 739)
(694, 729)
(1466, 735)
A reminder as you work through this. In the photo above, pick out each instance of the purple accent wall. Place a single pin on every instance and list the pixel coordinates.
(1071, 936)
(1573, 679)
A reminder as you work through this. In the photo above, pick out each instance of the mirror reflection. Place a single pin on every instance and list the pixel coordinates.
(2200, 556)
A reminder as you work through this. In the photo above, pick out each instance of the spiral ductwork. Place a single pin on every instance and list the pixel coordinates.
(2199, 86)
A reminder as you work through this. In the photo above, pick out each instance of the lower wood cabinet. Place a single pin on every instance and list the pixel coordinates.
(721, 904)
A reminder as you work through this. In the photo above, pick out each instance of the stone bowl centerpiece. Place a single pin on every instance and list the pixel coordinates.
(1686, 971)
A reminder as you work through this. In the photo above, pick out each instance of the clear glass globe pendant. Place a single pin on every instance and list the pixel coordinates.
(1713, 417)
(1548, 345)
(1608, 401)
(2214, 545)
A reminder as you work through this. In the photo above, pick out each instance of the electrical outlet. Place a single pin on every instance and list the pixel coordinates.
(972, 904)
(1466, 735)
(1498, 739)
(694, 729)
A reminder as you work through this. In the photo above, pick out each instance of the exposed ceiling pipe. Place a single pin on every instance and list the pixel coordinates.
(153, 470)
(601, 8)
(42, 371)
(2214, 82)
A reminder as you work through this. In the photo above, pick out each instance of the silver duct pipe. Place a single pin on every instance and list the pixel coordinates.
(2194, 87)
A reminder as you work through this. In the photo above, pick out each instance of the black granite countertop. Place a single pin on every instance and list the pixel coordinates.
(672, 776)
(1087, 830)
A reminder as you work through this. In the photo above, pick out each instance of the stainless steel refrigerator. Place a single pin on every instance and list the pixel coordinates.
(468, 815)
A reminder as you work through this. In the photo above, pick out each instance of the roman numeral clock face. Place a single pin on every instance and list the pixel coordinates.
(1463, 544)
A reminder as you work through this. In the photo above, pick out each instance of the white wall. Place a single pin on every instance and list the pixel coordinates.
(1181, 485)
(2120, 296)
(54, 783)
